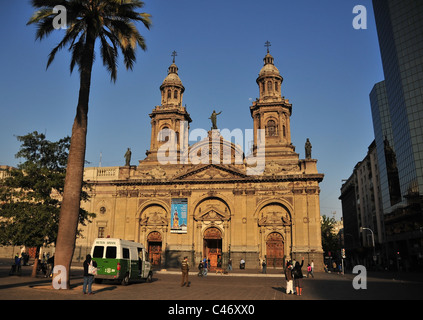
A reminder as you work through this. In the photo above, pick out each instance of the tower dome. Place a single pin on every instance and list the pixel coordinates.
(172, 77)
(172, 88)
(269, 68)
(269, 79)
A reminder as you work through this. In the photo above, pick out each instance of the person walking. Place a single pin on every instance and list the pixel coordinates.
(288, 278)
(309, 271)
(263, 265)
(200, 269)
(185, 270)
(230, 265)
(205, 267)
(89, 272)
(298, 277)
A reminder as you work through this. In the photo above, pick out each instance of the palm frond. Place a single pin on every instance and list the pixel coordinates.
(111, 21)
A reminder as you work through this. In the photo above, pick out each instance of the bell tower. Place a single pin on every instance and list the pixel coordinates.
(169, 121)
(271, 112)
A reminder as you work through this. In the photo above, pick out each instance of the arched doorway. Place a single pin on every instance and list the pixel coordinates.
(154, 241)
(275, 250)
(212, 246)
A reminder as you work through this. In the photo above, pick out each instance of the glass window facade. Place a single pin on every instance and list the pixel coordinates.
(400, 31)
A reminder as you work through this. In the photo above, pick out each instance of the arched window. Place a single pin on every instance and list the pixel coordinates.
(169, 94)
(271, 128)
(269, 86)
(164, 134)
(175, 94)
(276, 86)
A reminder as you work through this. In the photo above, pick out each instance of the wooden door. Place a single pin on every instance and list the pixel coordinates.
(274, 250)
(213, 246)
(155, 248)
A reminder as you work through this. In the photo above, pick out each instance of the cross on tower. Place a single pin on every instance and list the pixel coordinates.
(174, 54)
(267, 44)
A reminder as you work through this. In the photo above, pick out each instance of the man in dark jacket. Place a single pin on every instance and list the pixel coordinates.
(88, 277)
(185, 270)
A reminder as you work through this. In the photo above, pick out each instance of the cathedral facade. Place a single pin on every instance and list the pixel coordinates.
(210, 199)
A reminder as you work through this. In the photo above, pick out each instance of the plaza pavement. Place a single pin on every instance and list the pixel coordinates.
(239, 286)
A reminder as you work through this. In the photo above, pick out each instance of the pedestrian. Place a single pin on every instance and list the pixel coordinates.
(50, 263)
(312, 268)
(230, 265)
(309, 271)
(18, 263)
(298, 277)
(242, 264)
(200, 269)
(288, 278)
(90, 267)
(263, 264)
(185, 271)
(205, 267)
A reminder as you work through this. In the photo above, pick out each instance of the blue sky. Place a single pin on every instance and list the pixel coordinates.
(329, 69)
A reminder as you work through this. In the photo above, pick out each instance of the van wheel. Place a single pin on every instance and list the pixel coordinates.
(149, 278)
(125, 280)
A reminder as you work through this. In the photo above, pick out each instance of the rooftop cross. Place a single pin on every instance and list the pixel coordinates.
(174, 54)
(267, 44)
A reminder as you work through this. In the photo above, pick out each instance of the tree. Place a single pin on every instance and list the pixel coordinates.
(329, 239)
(112, 22)
(30, 198)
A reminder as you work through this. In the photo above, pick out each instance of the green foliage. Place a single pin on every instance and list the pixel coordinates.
(329, 239)
(30, 197)
(110, 21)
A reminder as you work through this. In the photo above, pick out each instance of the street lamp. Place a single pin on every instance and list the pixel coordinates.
(373, 241)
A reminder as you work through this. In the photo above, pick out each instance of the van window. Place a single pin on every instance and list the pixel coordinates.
(111, 252)
(125, 253)
(98, 252)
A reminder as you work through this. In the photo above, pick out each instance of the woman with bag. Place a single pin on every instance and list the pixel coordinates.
(90, 269)
(298, 277)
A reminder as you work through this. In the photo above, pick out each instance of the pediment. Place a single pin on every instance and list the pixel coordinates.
(212, 215)
(154, 219)
(211, 172)
(274, 219)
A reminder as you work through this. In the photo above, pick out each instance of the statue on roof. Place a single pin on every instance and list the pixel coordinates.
(128, 157)
(308, 149)
(213, 119)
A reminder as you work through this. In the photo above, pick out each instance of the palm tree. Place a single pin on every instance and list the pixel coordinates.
(112, 22)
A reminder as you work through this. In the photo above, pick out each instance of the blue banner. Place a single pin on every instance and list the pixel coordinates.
(178, 222)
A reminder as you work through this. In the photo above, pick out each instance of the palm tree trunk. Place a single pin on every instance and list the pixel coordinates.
(69, 212)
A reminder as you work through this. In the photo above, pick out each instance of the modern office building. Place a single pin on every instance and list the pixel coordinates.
(363, 234)
(397, 110)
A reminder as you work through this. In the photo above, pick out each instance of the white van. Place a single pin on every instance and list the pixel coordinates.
(120, 260)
